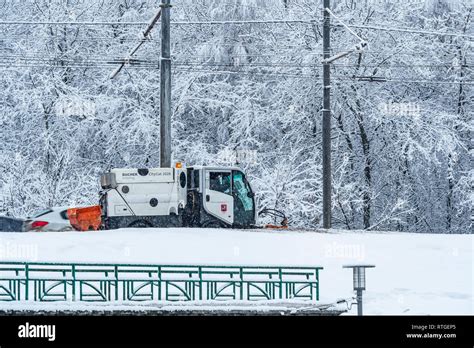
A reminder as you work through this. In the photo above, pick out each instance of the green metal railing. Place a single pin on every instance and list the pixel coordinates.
(140, 282)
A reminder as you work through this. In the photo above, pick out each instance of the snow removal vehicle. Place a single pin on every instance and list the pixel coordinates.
(197, 196)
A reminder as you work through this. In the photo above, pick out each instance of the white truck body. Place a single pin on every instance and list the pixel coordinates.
(158, 192)
(163, 197)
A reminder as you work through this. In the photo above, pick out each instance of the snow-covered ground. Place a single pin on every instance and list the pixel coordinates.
(414, 274)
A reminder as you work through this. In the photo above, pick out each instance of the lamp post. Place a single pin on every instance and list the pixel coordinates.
(358, 280)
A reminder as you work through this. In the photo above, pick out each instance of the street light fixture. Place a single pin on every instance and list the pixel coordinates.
(358, 280)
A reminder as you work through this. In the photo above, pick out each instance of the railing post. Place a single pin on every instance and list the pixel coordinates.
(200, 282)
(18, 285)
(116, 282)
(280, 276)
(27, 281)
(317, 284)
(241, 283)
(160, 283)
(73, 273)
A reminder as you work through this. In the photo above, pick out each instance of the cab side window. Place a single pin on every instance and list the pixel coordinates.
(220, 181)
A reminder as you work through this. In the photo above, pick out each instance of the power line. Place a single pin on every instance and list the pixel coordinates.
(223, 22)
(29, 37)
(153, 63)
(69, 23)
(410, 30)
(440, 82)
(236, 72)
(270, 21)
(274, 21)
(202, 58)
(280, 55)
(104, 61)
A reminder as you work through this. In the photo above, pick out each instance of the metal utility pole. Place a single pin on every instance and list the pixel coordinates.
(327, 60)
(165, 77)
(165, 87)
(327, 186)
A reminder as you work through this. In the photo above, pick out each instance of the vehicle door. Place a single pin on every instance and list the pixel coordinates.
(218, 200)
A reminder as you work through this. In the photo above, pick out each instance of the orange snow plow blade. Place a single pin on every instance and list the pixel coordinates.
(85, 219)
(276, 214)
(283, 226)
(275, 227)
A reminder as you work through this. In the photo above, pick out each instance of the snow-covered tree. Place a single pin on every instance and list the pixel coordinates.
(401, 147)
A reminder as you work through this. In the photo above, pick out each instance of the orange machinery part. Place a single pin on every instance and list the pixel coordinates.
(283, 226)
(86, 218)
(275, 227)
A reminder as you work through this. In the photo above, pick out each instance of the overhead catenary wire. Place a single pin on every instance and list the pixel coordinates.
(62, 62)
(32, 37)
(406, 30)
(251, 58)
(280, 55)
(145, 34)
(224, 22)
(154, 63)
(236, 72)
(110, 61)
(105, 23)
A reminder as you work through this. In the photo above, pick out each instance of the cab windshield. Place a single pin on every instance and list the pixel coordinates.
(244, 207)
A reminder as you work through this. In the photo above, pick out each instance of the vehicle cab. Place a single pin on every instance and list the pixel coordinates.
(224, 196)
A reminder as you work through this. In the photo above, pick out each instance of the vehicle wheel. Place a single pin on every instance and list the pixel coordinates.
(140, 224)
